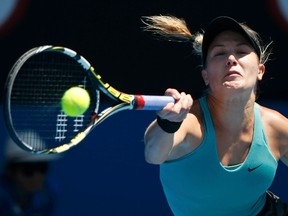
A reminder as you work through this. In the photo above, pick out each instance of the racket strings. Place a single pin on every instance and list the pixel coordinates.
(36, 95)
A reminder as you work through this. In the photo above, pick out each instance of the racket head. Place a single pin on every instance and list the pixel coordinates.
(32, 104)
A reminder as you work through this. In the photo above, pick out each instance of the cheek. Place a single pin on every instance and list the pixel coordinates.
(253, 71)
(214, 73)
(249, 64)
(212, 77)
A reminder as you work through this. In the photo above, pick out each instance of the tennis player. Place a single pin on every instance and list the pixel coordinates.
(218, 154)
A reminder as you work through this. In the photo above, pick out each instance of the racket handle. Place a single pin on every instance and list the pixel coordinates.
(151, 102)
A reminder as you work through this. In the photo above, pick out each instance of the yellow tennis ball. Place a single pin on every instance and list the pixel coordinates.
(75, 101)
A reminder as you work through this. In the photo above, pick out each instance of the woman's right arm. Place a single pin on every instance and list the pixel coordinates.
(159, 143)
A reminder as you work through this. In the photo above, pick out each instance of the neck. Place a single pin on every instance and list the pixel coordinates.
(232, 114)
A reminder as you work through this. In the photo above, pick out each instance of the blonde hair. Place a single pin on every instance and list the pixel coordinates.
(175, 29)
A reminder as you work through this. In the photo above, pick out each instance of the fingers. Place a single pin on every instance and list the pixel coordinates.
(176, 111)
(184, 102)
(174, 93)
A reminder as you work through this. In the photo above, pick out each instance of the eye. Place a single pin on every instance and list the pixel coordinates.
(242, 51)
(219, 54)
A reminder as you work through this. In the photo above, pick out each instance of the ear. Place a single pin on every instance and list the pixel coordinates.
(261, 71)
(204, 76)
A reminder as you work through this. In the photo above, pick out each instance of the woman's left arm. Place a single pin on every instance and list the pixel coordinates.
(276, 129)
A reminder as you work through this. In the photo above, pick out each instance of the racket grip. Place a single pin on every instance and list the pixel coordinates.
(151, 102)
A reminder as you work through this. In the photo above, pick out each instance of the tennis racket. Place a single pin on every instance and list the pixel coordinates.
(32, 104)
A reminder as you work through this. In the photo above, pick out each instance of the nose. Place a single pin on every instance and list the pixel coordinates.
(231, 61)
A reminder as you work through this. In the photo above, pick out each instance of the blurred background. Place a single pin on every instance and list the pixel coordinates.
(107, 174)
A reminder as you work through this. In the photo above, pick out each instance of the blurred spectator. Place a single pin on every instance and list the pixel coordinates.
(25, 186)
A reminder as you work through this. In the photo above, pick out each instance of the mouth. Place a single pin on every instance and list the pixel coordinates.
(232, 73)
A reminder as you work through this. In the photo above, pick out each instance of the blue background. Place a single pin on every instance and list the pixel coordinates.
(107, 174)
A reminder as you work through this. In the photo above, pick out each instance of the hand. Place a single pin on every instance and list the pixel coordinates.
(176, 112)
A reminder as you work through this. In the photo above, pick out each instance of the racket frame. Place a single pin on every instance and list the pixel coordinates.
(124, 101)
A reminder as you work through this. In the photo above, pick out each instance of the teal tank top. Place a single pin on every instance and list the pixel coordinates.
(197, 184)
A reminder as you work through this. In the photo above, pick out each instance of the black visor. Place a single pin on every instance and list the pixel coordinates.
(221, 24)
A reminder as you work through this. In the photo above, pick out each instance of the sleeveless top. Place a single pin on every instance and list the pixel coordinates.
(197, 184)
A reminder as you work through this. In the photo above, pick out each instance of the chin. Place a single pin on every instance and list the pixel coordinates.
(233, 85)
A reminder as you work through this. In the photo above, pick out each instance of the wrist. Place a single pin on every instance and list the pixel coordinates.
(168, 126)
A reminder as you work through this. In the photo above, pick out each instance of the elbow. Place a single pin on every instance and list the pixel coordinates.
(152, 161)
(154, 152)
(152, 157)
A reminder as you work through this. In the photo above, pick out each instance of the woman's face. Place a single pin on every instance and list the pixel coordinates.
(232, 64)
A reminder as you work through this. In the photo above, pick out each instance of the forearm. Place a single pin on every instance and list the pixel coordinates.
(158, 144)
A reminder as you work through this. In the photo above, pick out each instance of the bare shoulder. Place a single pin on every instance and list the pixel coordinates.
(196, 112)
(271, 116)
(196, 109)
(194, 120)
(273, 120)
(276, 129)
